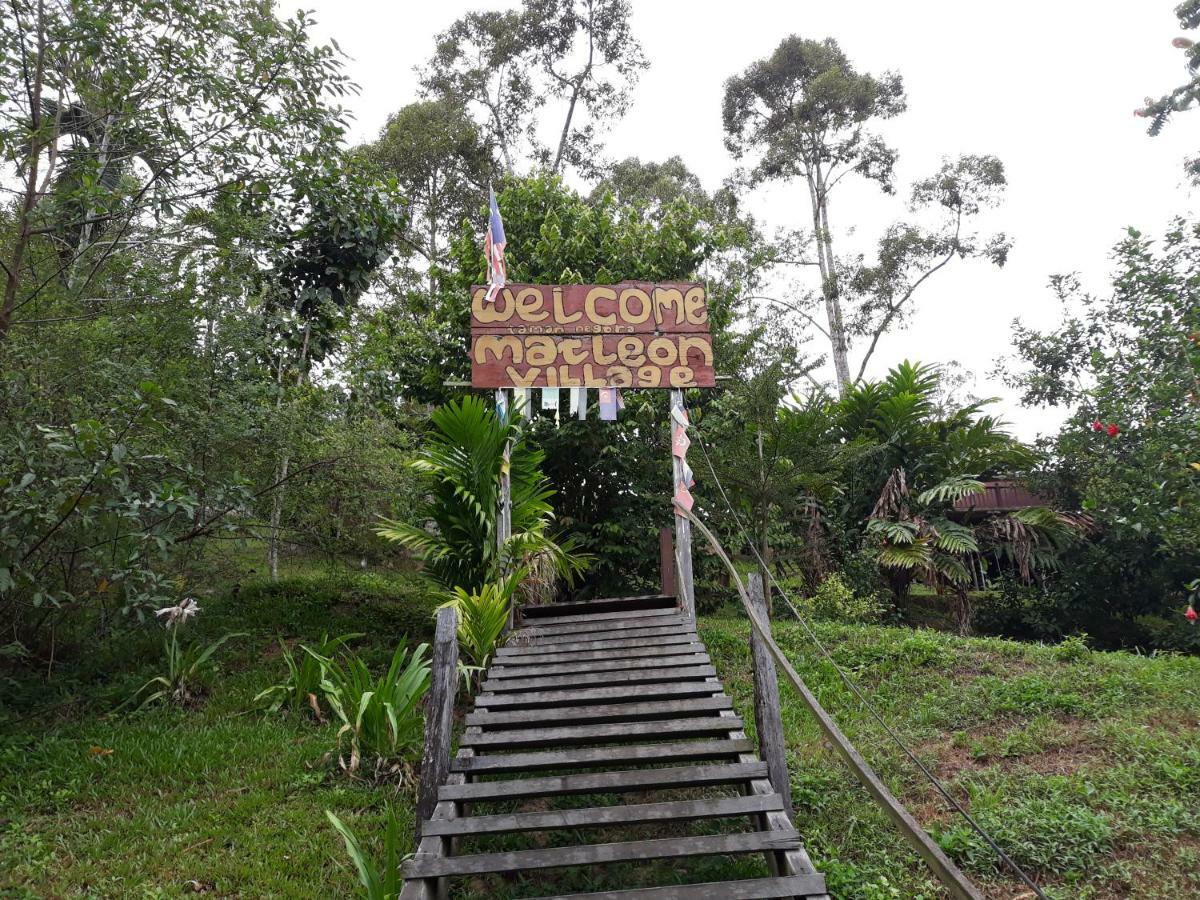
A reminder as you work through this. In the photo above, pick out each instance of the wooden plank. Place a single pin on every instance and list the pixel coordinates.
(584, 757)
(768, 718)
(600, 854)
(533, 652)
(750, 889)
(694, 726)
(597, 604)
(606, 816)
(439, 711)
(592, 655)
(583, 625)
(575, 695)
(624, 634)
(604, 665)
(587, 679)
(628, 614)
(604, 782)
(607, 712)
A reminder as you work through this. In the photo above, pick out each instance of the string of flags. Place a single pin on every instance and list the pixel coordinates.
(684, 477)
(610, 402)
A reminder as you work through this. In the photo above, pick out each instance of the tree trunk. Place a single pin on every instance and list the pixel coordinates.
(284, 466)
(823, 239)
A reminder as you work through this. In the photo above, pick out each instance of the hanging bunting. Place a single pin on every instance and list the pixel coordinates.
(550, 399)
(608, 404)
(580, 395)
(680, 442)
(502, 404)
(521, 401)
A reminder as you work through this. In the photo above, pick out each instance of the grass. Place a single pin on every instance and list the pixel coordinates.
(1085, 765)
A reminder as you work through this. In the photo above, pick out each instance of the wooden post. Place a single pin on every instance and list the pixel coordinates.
(504, 402)
(666, 561)
(768, 722)
(683, 529)
(439, 712)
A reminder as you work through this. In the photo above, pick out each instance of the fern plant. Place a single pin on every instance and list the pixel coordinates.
(381, 717)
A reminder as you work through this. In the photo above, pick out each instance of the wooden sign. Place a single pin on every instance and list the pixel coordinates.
(628, 335)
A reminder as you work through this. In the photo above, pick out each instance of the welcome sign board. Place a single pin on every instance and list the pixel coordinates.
(628, 335)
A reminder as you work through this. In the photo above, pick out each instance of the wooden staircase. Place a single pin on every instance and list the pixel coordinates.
(602, 717)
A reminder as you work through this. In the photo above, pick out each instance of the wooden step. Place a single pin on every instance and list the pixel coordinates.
(607, 712)
(599, 854)
(599, 665)
(615, 655)
(605, 816)
(584, 757)
(752, 889)
(600, 604)
(579, 695)
(621, 615)
(538, 649)
(592, 679)
(604, 782)
(616, 634)
(607, 733)
(584, 627)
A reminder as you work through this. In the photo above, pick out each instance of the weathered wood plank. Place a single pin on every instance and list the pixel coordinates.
(575, 696)
(591, 679)
(607, 816)
(584, 757)
(608, 712)
(534, 652)
(598, 604)
(694, 726)
(600, 665)
(596, 655)
(439, 711)
(626, 634)
(594, 854)
(630, 614)
(768, 719)
(583, 625)
(751, 889)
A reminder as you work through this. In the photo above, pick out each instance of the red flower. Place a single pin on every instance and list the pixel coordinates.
(1191, 614)
(1113, 430)
(1097, 425)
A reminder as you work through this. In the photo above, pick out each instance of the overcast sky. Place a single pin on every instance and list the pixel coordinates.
(1047, 86)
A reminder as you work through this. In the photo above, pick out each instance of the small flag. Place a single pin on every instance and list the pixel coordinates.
(579, 397)
(521, 401)
(608, 404)
(493, 249)
(550, 399)
(502, 404)
(679, 447)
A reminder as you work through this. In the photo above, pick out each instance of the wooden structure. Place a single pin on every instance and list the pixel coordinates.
(606, 716)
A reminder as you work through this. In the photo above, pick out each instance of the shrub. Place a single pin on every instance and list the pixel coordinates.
(300, 688)
(835, 601)
(1073, 648)
(380, 717)
(482, 617)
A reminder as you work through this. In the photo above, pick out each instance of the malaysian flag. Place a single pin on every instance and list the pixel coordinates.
(493, 249)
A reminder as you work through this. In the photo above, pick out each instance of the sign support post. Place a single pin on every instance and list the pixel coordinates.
(504, 401)
(683, 529)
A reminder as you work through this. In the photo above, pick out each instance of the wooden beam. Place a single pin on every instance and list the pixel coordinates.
(768, 720)
(585, 757)
(603, 732)
(600, 665)
(607, 712)
(439, 712)
(683, 529)
(789, 886)
(596, 679)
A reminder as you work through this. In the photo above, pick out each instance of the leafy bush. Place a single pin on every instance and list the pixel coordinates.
(381, 718)
(379, 881)
(482, 617)
(835, 601)
(299, 689)
(1073, 648)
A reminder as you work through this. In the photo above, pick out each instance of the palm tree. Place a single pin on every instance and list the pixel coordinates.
(917, 461)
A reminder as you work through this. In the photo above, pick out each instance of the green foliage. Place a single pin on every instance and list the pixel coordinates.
(482, 617)
(835, 601)
(186, 665)
(1187, 94)
(461, 462)
(380, 881)
(1073, 648)
(299, 690)
(381, 717)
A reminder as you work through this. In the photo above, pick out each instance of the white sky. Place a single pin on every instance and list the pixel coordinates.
(1047, 86)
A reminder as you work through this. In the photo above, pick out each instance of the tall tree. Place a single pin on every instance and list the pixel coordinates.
(804, 113)
(1187, 95)
(506, 65)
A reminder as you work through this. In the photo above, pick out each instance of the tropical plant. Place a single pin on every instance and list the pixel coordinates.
(482, 617)
(300, 688)
(380, 716)
(380, 881)
(455, 534)
(185, 664)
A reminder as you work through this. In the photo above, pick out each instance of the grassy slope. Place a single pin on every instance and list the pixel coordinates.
(1088, 769)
